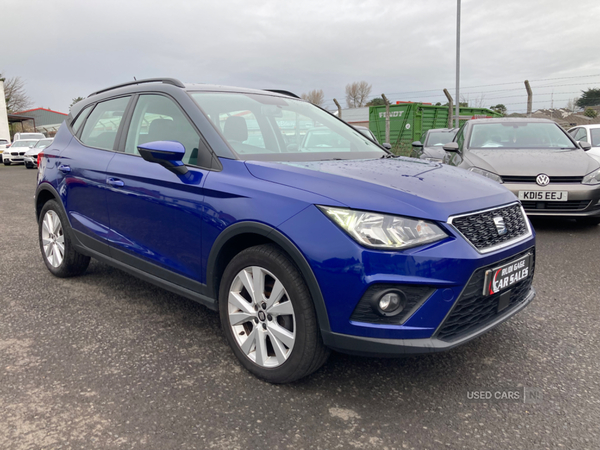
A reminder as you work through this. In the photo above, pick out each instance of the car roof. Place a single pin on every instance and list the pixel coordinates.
(170, 85)
(442, 130)
(510, 120)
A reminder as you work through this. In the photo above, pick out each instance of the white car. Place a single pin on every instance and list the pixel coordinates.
(16, 153)
(27, 136)
(3, 144)
(32, 154)
(590, 134)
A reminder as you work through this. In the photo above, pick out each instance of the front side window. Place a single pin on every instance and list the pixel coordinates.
(595, 134)
(100, 129)
(43, 143)
(158, 118)
(265, 127)
(519, 135)
(438, 139)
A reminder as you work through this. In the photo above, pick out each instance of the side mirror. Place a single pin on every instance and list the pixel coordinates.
(417, 144)
(168, 154)
(387, 145)
(451, 147)
(585, 145)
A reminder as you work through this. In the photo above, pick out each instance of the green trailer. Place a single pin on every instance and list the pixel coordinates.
(408, 121)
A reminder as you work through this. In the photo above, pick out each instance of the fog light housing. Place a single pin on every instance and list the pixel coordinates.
(390, 303)
(402, 302)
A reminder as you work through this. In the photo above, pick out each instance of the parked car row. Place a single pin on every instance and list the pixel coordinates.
(25, 151)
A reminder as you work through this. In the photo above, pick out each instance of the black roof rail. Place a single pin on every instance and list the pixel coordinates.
(172, 81)
(279, 91)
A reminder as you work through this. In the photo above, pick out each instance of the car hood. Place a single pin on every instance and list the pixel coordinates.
(533, 162)
(405, 186)
(33, 152)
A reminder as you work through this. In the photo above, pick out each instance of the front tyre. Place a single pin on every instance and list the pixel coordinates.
(268, 316)
(58, 252)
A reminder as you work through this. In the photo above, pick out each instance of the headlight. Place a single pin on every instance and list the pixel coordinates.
(592, 178)
(435, 160)
(384, 231)
(485, 173)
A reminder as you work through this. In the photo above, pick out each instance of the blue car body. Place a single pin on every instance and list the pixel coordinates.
(179, 232)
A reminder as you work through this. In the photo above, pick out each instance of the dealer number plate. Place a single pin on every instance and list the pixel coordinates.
(503, 277)
(546, 196)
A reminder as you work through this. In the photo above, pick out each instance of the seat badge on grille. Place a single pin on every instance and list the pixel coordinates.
(500, 225)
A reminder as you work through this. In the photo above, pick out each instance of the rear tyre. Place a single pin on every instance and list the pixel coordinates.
(591, 221)
(58, 252)
(268, 316)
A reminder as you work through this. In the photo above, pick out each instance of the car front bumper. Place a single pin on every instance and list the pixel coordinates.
(365, 346)
(583, 200)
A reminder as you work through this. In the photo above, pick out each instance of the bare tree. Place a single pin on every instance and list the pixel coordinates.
(357, 94)
(14, 94)
(316, 97)
(477, 102)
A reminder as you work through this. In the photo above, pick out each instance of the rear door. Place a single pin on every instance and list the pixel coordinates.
(82, 165)
(155, 214)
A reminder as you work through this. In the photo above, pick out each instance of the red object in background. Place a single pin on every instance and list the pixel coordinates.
(39, 158)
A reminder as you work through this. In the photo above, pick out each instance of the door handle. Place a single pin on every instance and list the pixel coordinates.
(64, 169)
(115, 182)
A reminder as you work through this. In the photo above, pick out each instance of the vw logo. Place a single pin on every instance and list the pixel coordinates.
(543, 179)
(500, 225)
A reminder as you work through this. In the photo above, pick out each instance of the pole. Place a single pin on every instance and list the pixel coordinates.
(339, 108)
(387, 118)
(450, 104)
(529, 98)
(457, 97)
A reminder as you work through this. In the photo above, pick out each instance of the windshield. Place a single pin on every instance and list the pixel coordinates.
(24, 144)
(439, 138)
(269, 128)
(519, 135)
(595, 132)
(43, 143)
(31, 136)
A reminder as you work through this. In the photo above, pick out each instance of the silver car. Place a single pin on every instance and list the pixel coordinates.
(537, 160)
(30, 157)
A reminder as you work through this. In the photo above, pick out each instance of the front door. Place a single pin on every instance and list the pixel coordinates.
(155, 214)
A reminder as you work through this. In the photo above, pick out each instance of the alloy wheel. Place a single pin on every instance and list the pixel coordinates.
(261, 317)
(53, 239)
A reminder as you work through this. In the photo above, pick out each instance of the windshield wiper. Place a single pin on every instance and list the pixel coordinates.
(389, 155)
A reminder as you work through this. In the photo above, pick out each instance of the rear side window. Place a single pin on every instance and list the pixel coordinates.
(100, 129)
(76, 125)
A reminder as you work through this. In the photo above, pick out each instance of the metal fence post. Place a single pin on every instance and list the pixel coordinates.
(387, 118)
(450, 107)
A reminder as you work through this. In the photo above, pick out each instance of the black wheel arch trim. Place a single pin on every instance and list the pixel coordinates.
(287, 245)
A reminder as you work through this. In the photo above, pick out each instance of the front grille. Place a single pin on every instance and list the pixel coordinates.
(473, 310)
(531, 179)
(15, 153)
(480, 230)
(574, 205)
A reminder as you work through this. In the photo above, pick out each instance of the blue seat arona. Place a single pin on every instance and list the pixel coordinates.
(303, 242)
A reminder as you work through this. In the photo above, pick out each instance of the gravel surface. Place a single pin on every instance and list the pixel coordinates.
(107, 361)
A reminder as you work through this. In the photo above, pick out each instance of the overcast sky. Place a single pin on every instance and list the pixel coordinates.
(66, 48)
